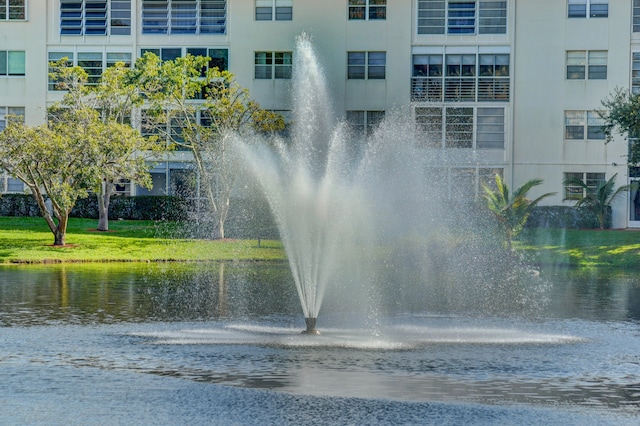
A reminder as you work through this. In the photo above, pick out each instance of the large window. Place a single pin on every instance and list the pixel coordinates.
(12, 62)
(636, 16)
(587, 64)
(12, 9)
(576, 192)
(184, 16)
(218, 58)
(367, 9)
(457, 77)
(273, 65)
(588, 8)
(95, 17)
(583, 125)
(453, 127)
(274, 10)
(366, 65)
(462, 17)
(9, 113)
(94, 63)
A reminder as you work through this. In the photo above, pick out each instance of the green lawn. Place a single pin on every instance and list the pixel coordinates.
(28, 240)
(583, 247)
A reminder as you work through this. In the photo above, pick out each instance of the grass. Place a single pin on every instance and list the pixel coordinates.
(583, 247)
(29, 240)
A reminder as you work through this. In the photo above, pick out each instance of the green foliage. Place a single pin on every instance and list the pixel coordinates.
(598, 199)
(622, 115)
(122, 153)
(511, 211)
(567, 217)
(56, 161)
(209, 127)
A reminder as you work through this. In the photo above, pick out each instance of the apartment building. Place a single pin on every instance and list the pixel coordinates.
(508, 86)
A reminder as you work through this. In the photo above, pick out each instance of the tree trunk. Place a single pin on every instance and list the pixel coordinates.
(61, 230)
(104, 197)
(221, 228)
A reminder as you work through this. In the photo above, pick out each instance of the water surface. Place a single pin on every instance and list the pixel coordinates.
(221, 343)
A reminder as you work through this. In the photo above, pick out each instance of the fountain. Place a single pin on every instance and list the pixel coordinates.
(350, 210)
(307, 186)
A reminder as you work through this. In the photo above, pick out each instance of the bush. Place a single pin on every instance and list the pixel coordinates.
(564, 217)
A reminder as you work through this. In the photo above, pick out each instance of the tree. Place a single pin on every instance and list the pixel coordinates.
(201, 109)
(56, 161)
(597, 199)
(622, 115)
(123, 153)
(511, 212)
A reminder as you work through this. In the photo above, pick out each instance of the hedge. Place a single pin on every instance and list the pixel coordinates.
(564, 217)
(248, 218)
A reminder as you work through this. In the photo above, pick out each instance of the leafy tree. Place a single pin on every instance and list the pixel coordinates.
(56, 161)
(202, 110)
(598, 199)
(511, 211)
(123, 154)
(622, 114)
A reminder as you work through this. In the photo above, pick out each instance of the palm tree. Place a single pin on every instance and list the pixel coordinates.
(597, 199)
(511, 212)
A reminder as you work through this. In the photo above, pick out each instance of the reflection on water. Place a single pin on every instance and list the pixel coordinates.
(107, 293)
(239, 325)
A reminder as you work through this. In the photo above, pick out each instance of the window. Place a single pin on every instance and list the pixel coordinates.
(460, 81)
(273, 65)
(184, 16)
(367, 9)
(12, 62)
(95, 17)
(460, 77)
(218, 58)
(578, 124)
(590, 64)
(490, 128)
(364, 123)
(274, 10)
(453, 127)
(12, 10)
(366, 65)
(9, 113)
(636, 16)
(94, 63)
(458, 128)
(164, 53)
(120, 17)
(462, 17)
(595, 8)
(635, 73)
(576, 192)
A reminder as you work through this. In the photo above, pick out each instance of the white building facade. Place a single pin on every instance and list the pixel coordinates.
(506, 86)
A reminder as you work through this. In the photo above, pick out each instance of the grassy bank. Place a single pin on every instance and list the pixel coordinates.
(28, 240)
(583, 247)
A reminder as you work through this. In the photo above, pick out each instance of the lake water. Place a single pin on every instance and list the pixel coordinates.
(221, 344)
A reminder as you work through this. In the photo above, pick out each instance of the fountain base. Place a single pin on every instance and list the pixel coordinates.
(311, 326)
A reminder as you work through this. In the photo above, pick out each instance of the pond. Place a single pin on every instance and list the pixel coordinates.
(221, 344)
